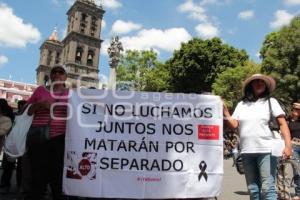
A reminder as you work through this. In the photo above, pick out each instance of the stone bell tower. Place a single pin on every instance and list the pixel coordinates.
(50, 54)
(82, 44)
(79, 51)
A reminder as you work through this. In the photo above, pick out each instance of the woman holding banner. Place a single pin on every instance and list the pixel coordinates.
(251, 117)
(45, 139)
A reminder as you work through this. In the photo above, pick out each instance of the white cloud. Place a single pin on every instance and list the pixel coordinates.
(14, 32)
(103, 24)
(107, 4)
(282, 18)
(64, 32)
(207, 2)
(55, 2)
(232, 31)
(291, 2)
(257, 54)
(104, 47)
(246, 15)
(70, 2)
(3, 59)
(156, 39)
(122, 27)
(110, 4)
(207, 30)
(215, 2)
(194, 11)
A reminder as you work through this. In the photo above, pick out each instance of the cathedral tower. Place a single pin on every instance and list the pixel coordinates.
(50, 54)
(81, 46)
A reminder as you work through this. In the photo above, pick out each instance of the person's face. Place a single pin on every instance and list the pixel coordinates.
(295, 113)
(258, 86)
(58, 76)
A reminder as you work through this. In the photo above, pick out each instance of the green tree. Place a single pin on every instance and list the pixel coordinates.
(157, 78)
(194, 67)
(228, 84)
(143, 70)
(281, 58)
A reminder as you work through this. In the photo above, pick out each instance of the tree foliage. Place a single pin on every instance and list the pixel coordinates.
(194, 67)
(228, 85)
(281, 58)
(142, 70)
(157, 79)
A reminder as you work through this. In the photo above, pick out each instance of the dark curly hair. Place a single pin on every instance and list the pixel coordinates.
(6, 110)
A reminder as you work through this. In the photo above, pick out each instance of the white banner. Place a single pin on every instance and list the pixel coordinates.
(143, 145)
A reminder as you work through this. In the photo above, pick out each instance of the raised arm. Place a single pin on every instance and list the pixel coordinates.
(233, 123)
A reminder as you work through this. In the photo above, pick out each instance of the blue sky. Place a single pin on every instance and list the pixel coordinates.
(141, 24)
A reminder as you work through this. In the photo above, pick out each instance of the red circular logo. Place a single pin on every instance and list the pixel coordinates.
(84, 167)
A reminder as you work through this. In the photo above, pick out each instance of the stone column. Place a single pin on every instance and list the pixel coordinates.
(114, 52)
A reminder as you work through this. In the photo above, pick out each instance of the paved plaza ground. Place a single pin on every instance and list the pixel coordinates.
(234, 186)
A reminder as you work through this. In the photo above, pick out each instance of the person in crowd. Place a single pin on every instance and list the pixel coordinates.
(251, 117)
(22, 171)
(294, 125)
(10, 164)
(6, 120)
(48, 104)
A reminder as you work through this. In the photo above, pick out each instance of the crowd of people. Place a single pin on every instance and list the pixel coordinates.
(41, 166)
(294, 126)
(230, 143)
(9, 164)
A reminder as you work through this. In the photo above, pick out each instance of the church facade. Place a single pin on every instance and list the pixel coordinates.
(79, 51)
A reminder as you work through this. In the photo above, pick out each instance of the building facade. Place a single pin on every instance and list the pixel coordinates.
(79, 51)
(14, 91)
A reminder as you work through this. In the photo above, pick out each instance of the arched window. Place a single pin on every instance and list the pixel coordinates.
(57, 58)
(90, 58)
(78, 55)
(83, 17)
(93, 26)
(49, 57)
(83, 22)
(94, 19)
(46, 80)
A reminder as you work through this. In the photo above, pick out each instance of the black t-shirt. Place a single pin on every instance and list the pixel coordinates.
(295, 129)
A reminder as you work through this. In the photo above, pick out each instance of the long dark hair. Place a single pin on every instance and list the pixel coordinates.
(249, 95)
(6, 110)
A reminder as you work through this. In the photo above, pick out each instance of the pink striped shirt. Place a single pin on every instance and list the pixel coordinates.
(42, 117)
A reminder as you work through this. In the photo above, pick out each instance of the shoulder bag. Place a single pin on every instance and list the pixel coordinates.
(273, 124)
(277, 144)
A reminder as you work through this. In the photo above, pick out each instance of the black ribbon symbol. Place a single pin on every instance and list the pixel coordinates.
(202, 167)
